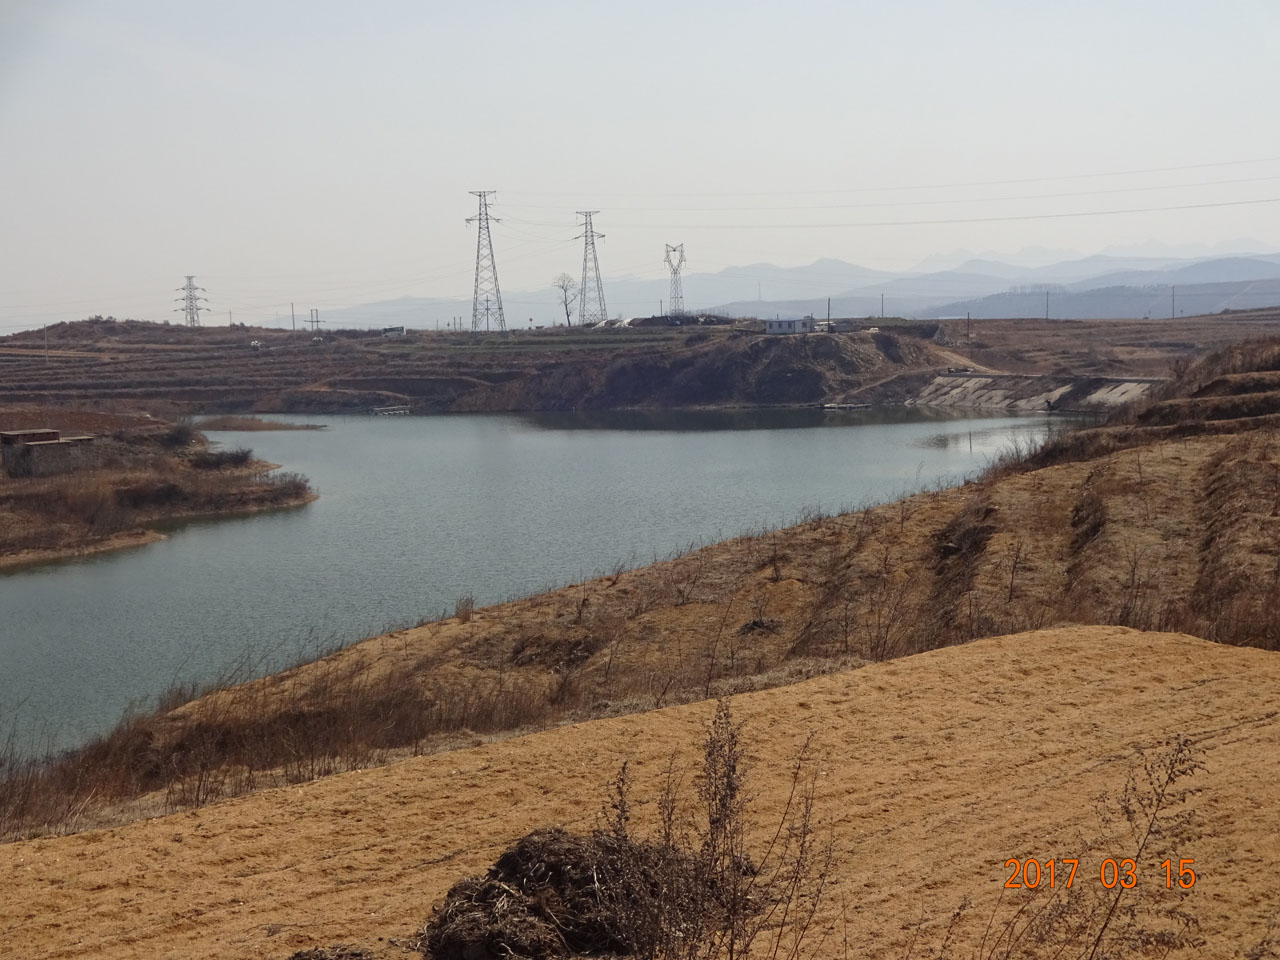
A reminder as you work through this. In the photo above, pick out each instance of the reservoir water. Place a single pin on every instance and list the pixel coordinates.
(416, 512)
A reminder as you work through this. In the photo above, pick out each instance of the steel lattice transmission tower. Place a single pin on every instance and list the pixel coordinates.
(190, 301)
(591, 294)
(486, 304)
(675, 260)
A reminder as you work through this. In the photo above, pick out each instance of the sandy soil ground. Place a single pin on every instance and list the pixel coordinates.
(933, 770)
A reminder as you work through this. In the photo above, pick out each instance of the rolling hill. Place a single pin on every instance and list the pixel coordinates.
(931, 772)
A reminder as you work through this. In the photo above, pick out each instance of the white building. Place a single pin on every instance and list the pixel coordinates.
(803, 325)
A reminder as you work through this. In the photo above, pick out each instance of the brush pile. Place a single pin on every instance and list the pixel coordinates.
(557, 894)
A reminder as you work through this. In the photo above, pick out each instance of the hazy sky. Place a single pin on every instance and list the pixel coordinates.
(322, 152)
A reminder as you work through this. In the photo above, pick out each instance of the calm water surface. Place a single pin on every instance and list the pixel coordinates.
(415, 512)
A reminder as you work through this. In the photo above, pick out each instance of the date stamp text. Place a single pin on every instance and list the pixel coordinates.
(1033, 872)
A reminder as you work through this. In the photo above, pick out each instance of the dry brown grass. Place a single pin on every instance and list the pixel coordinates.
(143, 472)
(252, 424)
(932, 770)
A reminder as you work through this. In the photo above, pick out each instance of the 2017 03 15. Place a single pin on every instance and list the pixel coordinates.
(1033, 873)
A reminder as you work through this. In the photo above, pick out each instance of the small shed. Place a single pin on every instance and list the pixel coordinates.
(803, 325)
(43, 452)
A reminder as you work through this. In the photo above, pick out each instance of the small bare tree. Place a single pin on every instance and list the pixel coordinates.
(568, 288)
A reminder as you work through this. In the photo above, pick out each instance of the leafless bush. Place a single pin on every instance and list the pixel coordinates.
(464, 607)
(181, 434)
(1139, 602)
(958, 549)
(1088, 515)
(217, 459)
(696, 889)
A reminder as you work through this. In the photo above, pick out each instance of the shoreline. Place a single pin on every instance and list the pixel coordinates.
(138, 537)
(247, 423)
(35, 558)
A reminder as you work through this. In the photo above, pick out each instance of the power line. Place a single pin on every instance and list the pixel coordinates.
(924, 203)
(931, 223)
(933, 186)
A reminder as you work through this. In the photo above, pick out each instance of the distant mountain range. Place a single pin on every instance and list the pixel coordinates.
(1092, 287)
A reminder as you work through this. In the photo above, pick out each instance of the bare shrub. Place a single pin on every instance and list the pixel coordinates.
(181, 434)
(958, 549)
(217, 459)
(691, 891)
(464, 607)
(287, 484)
(1089, 514)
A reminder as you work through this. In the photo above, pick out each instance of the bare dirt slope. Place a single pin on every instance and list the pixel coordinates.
(1113, 348)
(933, 771)
(171, 369)
(130, 364)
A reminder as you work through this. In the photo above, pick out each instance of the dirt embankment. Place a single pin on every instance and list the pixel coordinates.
(1031, 393)
(931, 772)
(173, 369)
(138, 472)
(1100, 348)
(433, 373)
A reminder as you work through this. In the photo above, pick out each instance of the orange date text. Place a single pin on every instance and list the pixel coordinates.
(1033, 873)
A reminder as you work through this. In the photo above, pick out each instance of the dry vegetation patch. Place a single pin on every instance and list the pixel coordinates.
(140, 471)
(932, 771)
(252, 424)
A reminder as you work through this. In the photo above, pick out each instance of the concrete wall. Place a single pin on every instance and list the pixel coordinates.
(47, 458)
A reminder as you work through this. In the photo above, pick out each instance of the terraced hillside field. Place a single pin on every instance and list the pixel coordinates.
(1116, 348)
(173, 369)
(177, 369)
